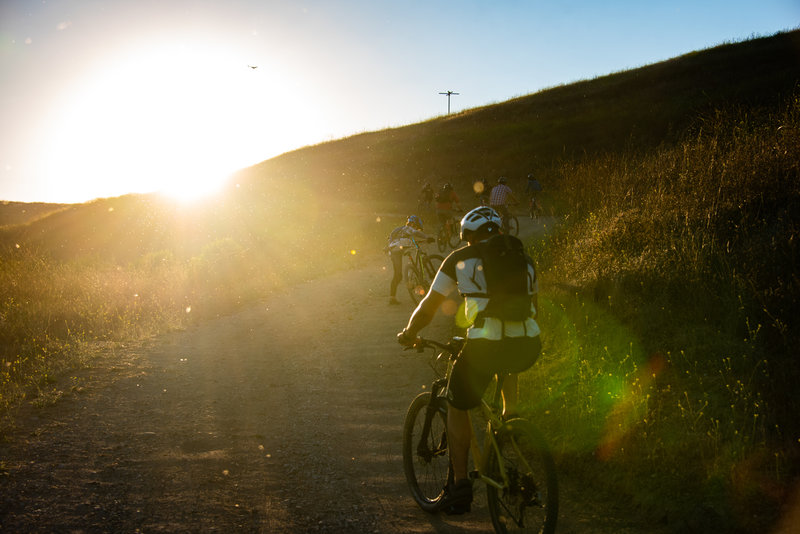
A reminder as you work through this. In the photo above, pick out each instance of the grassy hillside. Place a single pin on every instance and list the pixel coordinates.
(669, 289)
(645, 108)
(12, 213)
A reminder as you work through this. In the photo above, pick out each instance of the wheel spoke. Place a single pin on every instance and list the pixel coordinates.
(529, 502)
(425, 459)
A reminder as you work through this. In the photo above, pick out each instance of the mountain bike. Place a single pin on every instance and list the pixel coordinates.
(449, 235)
(534, 209)
(419, 271)
(514, 461)
(510, 223)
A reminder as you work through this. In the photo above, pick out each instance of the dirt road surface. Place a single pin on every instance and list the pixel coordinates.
(285, 417)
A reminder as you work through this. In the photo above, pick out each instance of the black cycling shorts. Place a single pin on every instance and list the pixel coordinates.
(481, 359)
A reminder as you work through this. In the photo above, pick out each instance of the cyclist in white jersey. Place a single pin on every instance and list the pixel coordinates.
(493, 345)
(400, 239)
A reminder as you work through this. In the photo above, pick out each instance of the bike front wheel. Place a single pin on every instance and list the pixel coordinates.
(454, 240)
(425, 459)
(432, 264)
(529, 500)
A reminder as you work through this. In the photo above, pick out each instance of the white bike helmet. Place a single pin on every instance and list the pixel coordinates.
(480, 218)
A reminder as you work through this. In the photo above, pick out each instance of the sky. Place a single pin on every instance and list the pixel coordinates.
(100, 98)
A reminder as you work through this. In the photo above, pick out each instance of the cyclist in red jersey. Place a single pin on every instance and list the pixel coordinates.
(446, 202)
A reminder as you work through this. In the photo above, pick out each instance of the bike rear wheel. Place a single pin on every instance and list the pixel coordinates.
(416, 283)
(533, 211)
(425, 460)
(529, 503)
(442, 239)
(513, 225)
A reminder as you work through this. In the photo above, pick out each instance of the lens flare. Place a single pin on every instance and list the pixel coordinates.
(450, 307)
(602, 391)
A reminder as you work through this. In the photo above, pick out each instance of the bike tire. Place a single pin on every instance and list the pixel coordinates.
(427, 467)
(530, 502)
(432, 263)
(441, 239)
(455, 240)
(513, 225)
(415, 283)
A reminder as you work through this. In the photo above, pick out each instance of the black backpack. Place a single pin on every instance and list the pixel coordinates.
(505, 268)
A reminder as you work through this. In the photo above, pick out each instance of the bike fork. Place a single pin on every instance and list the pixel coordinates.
(430, 412)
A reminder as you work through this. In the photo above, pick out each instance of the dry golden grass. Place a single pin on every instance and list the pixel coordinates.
(670, 353)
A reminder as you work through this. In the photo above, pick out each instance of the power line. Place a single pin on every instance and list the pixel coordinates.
(448, 93)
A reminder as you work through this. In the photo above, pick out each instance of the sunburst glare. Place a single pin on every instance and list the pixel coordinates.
(177, 118)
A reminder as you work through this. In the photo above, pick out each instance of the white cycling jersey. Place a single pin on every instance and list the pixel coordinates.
(463, 270)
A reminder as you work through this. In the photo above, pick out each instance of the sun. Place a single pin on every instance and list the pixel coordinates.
(177, 118)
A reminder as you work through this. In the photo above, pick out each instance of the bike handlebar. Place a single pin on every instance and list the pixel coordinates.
(427, 240)
(422, 343)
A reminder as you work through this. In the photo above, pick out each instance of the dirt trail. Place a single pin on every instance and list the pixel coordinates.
(285, 417)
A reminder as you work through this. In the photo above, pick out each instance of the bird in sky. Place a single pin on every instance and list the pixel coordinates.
(253, 66)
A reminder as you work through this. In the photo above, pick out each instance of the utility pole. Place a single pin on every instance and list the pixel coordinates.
(448, 93)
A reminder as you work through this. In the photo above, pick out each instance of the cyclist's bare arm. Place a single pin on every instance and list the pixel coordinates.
(422, 316)
(422, 236)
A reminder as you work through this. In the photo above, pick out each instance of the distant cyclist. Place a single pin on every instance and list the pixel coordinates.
(481, 191)
(399, 239)
(426, 196)
(531, 189)
(533, 186)
(500, 198)
(446, 201)
(503, 337)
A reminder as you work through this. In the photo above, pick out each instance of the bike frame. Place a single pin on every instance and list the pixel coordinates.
(415, 256)
(512, 460)
(451, 224)
(480, 456)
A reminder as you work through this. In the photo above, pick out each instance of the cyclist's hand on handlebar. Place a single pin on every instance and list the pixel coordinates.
(406, 340)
